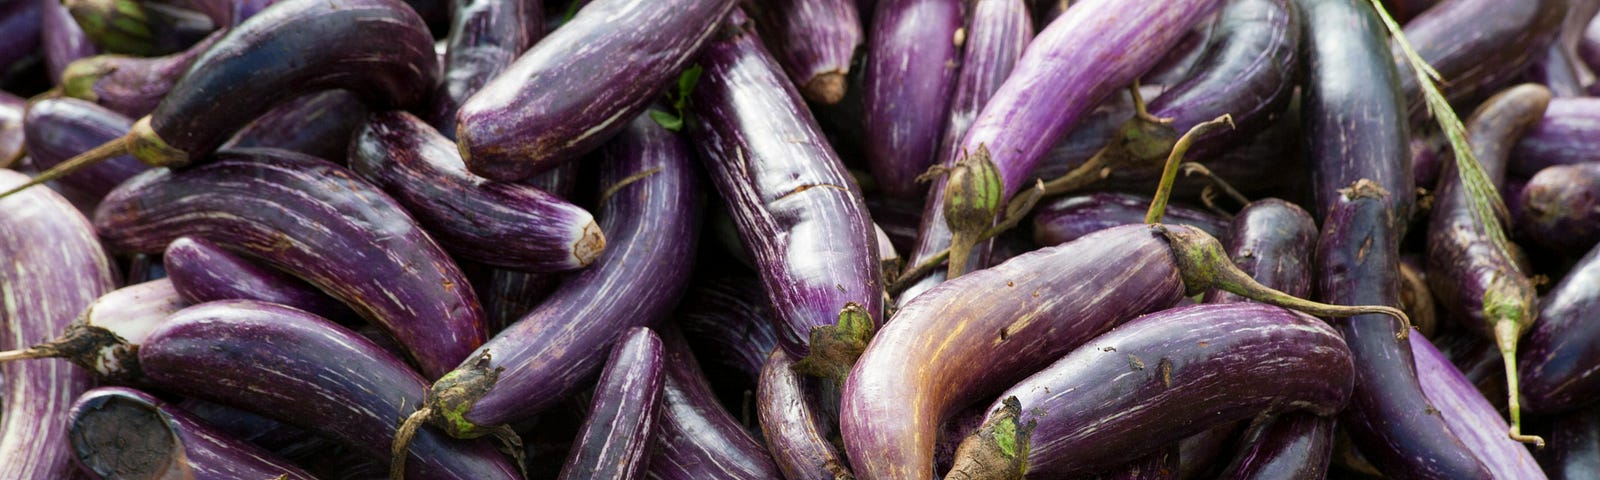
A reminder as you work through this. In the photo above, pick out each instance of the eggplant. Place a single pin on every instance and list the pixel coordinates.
(286, 440)
(59, 128)
(1069, 218)
(1273, 241)
(13, 143)
(511, 294)
(582, 84)
(1155, 380)
(502, 224)
(726, 321)
(1560, 355)
(316, 124)
(300, 369)
(1589, 45)
(1295, 446)
(1574, 452)
(618, 435)
(1204, 455)
(104, 339)
(55, 267)
(131, 86)
(1177, 64)
(62, 40)
(316, 221)
(814, 40)
(144, 29)
(485, 37)
(1557, 71)
(125, 433)
(1567, 134)
(696, 438)
(794, 423)
(1161, 465)
(20, 22)
(913, 47)
(1473, 57)
(798, 212)
(1560, 209)
(1477, 423)
(202, 272)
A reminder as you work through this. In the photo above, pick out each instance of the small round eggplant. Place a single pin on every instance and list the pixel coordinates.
(1560, 208)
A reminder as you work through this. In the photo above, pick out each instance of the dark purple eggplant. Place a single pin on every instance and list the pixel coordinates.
(60, 128)
(1155, 380)
(1066, 219)
(1161, 465)
(485, 37)
(1471, 417)
(913, 50)
(1203, 455)
(1273, 241)
(316, 124)
(61, 38)
(814, 40)
(798, 212)
(298, 368)
(131, 86)
(1295, 446)
(104, 339)
(19, 20)
(316, 221)
(1562, 353)
(144, 268)
(727, 322)
(54, 268)
(286, 440)
(1569, 133)
(581, 84)
(794, 423)
(1177, 64)
(13, 143)
(1475, 57)
(202, 272)
(1560, 208)
(124, 433)
(1429, 152)
(503, 224)
(617, 437)
(696, 438)
(1574, 451)
(1557, 71)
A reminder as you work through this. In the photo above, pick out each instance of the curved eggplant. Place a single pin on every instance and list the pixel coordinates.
(511, 294)
(316, 124)
(62, 40)
(913, 50)
(1067, 219)
(815, 40)
(1471, 417)
(131, 86)
(1475, 57)
(794, 424)
(485, 37)
(125, 433)
(1560, 208)
(726, 321)
(104, 339)
(696, 438)
(202, 272)
(1562, 353)
(1569, 133)
(59, 128)
(1295, 446)
(1557, 71)
(618, 434)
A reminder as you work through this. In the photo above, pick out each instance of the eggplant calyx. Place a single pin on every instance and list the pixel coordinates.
(835, 348)
(974, 193)
(91, 347)
(80, 76)
(445, 405)
(998, 450)
(1139, 142)
(148, 146)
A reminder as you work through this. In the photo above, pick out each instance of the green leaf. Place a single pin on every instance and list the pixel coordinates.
(667, 120)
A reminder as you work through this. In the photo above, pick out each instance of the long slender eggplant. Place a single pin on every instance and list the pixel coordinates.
(132, 86)
(1473, 57)
(511, 294)
(794, 424)
(287, 440)
(1569, 133)
(1560, 208)
(799, 213)
(1574, 452)
(124, 433)
(20, 22)
(696, 438)
(814, 40)
(59, 128)
(1066, 219)
(61, 38)
(317, 221)
(485, 37)
(202, 272)
(12, 112)
(727, 323)
(1155, 380)
(1562, 354)
(617, 437)
(298, 368)
(582, 84)
(1296, 446)
(104, 339)
(1471, 417)
(316, 124)
(54, 268)
(913, 47)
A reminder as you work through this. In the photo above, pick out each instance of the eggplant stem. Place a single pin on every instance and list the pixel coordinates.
(1208, 197)
(1169, 174)
(117, 146)
(918, 271)
(1505, 335)
(399, 450)
(40, 351)
(1015, 211)
(1140, 110)
(998, 450)
(1195, 168)
(612, 190)
(961, 248)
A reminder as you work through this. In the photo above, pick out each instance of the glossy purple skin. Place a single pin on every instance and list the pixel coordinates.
(1358, 264)
(243, 75)
(511, 294)
(912, 58)
(316, 124)
(652, 226)
(1273, 241)
(12, 138)
(617, 437)
(1478, 46)
(1161, 465)
(277, 437)
(125, 433)
(1561, 354)
(316, 221)
(19, 19)
(1560, 208)
(132, 86)
(696, 438)
(62, 40)
(1069, 218)
(1176, 64)
(1204, 453)
(794, 423)
(202, 272)
(45, 288)
(799, 213)
(1041, 305)
(60, 128)
(1294, 446)
(485, 37)
(1165, 376)
(814, 40)
(1569, 133)
(503, 224)
(1574, 449)
(726, 322)
(1471, 417)
(582, 84)
(295, 367)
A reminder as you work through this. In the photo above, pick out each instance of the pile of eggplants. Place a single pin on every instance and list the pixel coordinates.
(799, 239)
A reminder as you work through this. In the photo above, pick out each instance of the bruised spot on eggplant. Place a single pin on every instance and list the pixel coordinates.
(1166, 372)
(117, 438)
(1135, 362)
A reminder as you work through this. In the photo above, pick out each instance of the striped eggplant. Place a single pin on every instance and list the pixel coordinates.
(798, 212)
(913, 50)
(54, 268)
(502, 224)
(1295, 446)
(581, 84)
(317, 124)
(325, 226)
(1569, 133)
(794, 423)
(696, 438)
(104, 339)
(814, 40)
(292, 366)
(485, 37)
(12, 112)
(509, 294)
(1155, 380)
(125, 433)
(725, 319)
(62, 40)
(19, 20)
(1562, 352)
(59, 128)
(1476, 422)
(1574, 452)
(202, 272)
(1476, 58)
(617, 437)
(1066, 219)
(128, 85)
(1560, 209)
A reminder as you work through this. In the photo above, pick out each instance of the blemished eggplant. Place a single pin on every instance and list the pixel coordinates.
(59, 128)
(124, 433)
(132, 86)
(913, 50)
(325, 226)
(55, 267)
(1273, 241)
(503, 224)
(696, 438)
(1569, 133)
(298, 368)
(104, 339)
(62, 40)
(813, 40)
(485, 37)
(202, 272)
(1155, 380)
(617, 437)
(794, 424)
(1560, 209)
(1574, 451)
(1295, 446)
(1069, 218)
(1476, 422)
(316, 124)
(581, 84)
(1561, 354)
(798, 212)
(1476, 58)
(20, 22)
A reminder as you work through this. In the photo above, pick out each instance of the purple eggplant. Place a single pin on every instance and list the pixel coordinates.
(104, 339)
(1155, 380)
(1473, 57)
(1569, 133)
(1560, 208)
(144, 29)
(1067, 219)
(13, 141)
(726, 320)
(19, 19)
(696, 438)
(316, 124)
(582, 84)
(1589, 45)
(485, 37)
(298, 368)
(794, 423)
(799, 213)
(1177, 64)
(1574, 452)
(1562, 352)
(503, 224)
(131, 86)
(509, 294)
(1273, 241)
(316, 221)
(61, 38)
(55, 267)
(286, 440)
(1161, 465)
(1295, 446)
(913, 50)
(60, 128)
(1557, 71)
(1202, 455)
(1477, 423)
(202, 272)
(125, 433)
(814, 40)
(617, 437)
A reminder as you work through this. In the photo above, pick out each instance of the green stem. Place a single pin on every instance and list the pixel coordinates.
(110, 149)
(1140, 111)
(960, 248)
(26, 354)
(1505, 335)
(1169, 174)
(1195, 168)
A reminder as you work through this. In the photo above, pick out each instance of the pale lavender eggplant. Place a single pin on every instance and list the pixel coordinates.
(1471, 417)
(618, 436)
(1569, 133)
(292, 366)
(1574, 450)
(485, 37)
(61, 38)
(316, 221)
(502, 224)
(1294, 446)
(20, 22)
(794, 423)
(12, 112)
(125, 433)
(1561, 354)
(1476, 57)
(696, 438)
(1274, 241)
(60, 128)
(814, 40)
(202, 272)
(726, 320)
(318, 124)
(582, 84)
(1560, 208)
(54, 268)
(128, 85)
(913, 52)
(1069, 218)
(104, 339)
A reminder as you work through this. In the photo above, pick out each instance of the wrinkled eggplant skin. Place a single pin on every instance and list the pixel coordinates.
(269, 360)
(1470, 416)
(485, 37)
(794, 423)
(696, 438)
(617, 437)
(131, 86)
(54, 268)
(316, 124)
(1569, 133)
(19, 19)
(62, 40)
(814, 40)
(202, 272)
(1274, 242)
(1052, 300)
(583, 83)
(109, 425)
(1561, 354)
(1560, 208)
(1069, 218)
(1478, 46)
(1574, 449)
(1295, 446)
(912, 59)
(57, 129)
(316, 221)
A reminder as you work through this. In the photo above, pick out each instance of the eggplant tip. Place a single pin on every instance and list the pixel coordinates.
(591, 243)
(826, 88)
